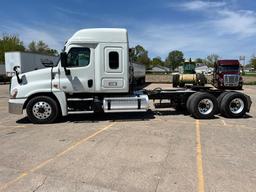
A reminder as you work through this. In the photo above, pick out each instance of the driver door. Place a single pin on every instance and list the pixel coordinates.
(78, 77)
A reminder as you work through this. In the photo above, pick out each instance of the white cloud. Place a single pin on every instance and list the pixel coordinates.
(224, 29)
(201, 5)
(224, 19)
(71, 12)
(195, 40)
(29, 34)
(188, 38)
(54, 37)
(241, 23)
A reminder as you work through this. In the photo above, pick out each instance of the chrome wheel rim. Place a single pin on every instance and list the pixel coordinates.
(42, 110)
(205, 106)
(236, 106)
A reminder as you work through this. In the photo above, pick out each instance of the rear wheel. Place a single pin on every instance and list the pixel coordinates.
(203, 106)
(189, 101)
(220, 98)
(42, 110)
(233, 105)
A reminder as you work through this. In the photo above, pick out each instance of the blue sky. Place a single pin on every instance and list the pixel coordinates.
(198, 28)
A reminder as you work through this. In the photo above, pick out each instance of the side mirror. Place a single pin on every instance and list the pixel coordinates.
(63, 58)
(16, 69)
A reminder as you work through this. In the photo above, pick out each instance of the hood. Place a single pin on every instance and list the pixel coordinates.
(32, 82)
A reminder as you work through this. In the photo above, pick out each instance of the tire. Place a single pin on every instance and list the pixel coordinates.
(234, 105)
(203, 106)
(220, 98)
(189, 101)
(42, 110)
(175, 80)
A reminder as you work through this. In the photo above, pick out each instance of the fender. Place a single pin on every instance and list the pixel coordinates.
(61, 97)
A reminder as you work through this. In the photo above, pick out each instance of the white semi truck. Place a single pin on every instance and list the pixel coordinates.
(94, 76)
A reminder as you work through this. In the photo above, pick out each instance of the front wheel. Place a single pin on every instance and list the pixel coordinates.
(42, 110)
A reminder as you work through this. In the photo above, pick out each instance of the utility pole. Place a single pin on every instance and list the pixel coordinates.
(242, 58)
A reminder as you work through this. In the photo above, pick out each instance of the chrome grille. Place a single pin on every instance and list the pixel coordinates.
(231, 80)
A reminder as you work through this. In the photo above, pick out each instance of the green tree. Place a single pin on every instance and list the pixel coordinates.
(253, 62)
(53, 52)
(156, 61)
(211, 59)
(32, 47)
(174, 59)
(140, 55)
(10, 43)
(41, 47)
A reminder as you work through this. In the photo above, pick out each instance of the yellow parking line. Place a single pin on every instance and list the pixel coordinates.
(26, 173)
(10, 126)
(200, 175)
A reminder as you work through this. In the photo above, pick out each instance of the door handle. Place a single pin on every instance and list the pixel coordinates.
(90, 83)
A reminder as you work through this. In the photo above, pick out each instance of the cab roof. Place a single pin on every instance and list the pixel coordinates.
(228, 62)
(99, 35)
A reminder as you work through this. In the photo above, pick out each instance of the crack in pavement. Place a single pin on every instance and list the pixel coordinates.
(38, 187)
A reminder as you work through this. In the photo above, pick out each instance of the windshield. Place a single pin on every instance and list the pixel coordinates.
(228, 68)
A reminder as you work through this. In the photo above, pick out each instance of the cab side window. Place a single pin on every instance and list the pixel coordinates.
(113, 60)
(78, 57)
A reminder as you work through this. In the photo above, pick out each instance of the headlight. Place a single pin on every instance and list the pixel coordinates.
(13, 93)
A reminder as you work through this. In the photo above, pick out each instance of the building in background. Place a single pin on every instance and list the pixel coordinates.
(202, 68)
(159, 69)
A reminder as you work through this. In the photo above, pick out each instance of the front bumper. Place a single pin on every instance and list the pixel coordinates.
(16, 106)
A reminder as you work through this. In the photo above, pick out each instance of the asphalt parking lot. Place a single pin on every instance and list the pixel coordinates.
(149, 152)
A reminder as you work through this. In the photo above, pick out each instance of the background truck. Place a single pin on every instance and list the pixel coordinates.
(227, 75)
(27, 61)
(187, 75)
(93, 76)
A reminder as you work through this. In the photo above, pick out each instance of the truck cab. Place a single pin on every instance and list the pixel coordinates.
(96, 62)
(227, 75)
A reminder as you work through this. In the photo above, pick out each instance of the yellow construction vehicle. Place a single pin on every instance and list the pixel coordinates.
(188, 75)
